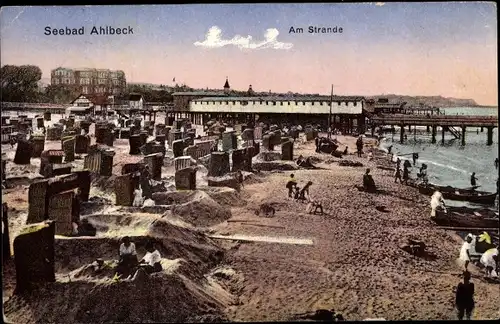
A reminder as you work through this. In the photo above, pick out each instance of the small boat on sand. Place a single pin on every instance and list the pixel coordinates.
(467, 218)
(468, 194)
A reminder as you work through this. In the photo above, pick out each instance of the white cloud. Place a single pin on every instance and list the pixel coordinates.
(213, 39)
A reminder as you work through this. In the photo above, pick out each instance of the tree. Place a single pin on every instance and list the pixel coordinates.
(20, 83)
(62, 93)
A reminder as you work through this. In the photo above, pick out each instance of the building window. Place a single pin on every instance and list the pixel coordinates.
(355, 103)
(85, 89)
(339, 103)
(274, 103)
(281, 103)
(312, 103)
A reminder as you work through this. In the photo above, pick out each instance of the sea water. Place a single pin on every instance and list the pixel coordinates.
(452, 164)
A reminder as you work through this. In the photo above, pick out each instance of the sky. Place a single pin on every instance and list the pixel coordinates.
(447, 49)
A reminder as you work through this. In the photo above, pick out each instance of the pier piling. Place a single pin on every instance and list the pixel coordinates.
(402, 134)
(463, 135)
(434, 131)
(490, 136)
(443, 130)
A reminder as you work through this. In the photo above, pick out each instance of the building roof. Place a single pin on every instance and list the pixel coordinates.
(95, 99)
(198, 93)
(274, 98)
(135, 97)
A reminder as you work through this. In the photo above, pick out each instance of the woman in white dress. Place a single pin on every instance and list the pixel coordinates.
(465, 251)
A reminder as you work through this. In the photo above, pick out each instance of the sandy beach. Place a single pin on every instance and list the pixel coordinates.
(355, 264)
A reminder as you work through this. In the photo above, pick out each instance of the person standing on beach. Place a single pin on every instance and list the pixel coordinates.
(406, 174)
(397, 175)
(473, 179)
(317, 141)
(359, 145)
(465, 251)
(389, 149)
(291, 184)
(464, 297)
(414, 157)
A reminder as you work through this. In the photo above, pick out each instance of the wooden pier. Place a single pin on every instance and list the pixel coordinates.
(447, 123)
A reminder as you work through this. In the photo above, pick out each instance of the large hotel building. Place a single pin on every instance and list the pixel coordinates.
(90, 81)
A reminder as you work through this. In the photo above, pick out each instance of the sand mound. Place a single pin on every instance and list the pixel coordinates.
(252, 178)
(275, 165)
(156, 298)
(120, 224)
(201, 210)
(225, 196)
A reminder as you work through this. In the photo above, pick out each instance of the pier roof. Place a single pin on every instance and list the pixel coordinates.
(198, 93)
(277, 98)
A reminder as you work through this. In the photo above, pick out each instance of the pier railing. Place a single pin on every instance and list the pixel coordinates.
(447, 124)
(436, 120)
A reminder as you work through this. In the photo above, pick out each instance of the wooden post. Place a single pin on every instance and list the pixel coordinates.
(414, 132)
(401, 137)
(490, 136)
(463, 135)
(434, 131)
(428, 129)
(373, 130)
(409, 128)
(482, 129)
(443, 130)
